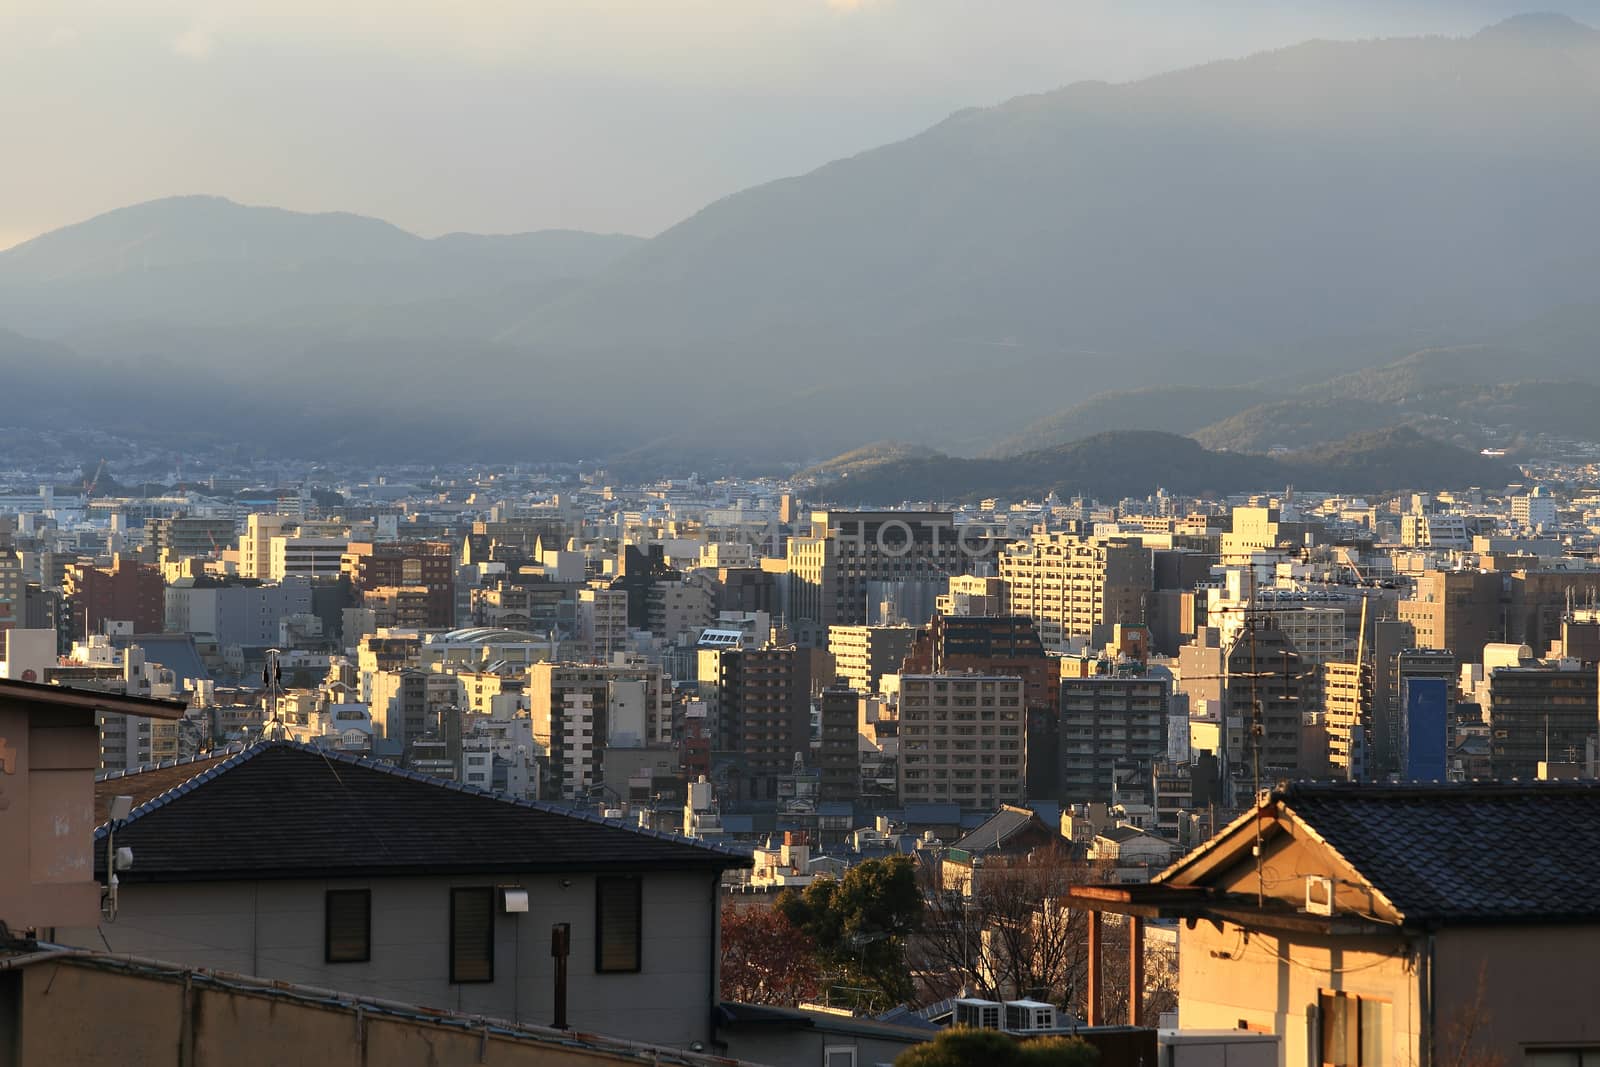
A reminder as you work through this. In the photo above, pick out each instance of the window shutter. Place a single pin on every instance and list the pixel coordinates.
(348, 926)
(618, 926)
(472, 935)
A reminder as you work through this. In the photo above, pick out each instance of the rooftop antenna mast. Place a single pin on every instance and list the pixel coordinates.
(272, 682)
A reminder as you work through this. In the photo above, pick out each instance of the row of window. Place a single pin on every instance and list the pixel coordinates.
(618, 928)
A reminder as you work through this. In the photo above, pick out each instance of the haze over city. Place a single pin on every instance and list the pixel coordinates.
(820, 532)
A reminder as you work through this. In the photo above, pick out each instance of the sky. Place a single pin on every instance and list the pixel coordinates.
(501, 116)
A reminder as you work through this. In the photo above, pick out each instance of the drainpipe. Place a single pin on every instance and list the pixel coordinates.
(714, 960)
(1430, 1007)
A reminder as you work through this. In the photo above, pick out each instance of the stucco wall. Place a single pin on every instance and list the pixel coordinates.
(1272, 984)
(275, 930)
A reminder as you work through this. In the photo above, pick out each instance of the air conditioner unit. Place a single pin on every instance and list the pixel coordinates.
(980, 1014)
(1024, 1016)
(1319, 895)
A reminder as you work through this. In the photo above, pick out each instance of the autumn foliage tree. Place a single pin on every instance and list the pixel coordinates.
(766, 959)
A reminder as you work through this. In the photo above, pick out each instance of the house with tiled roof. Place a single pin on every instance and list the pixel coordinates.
(323, 869)
(1408, 924)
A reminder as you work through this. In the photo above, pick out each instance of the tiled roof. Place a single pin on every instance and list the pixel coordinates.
(1490, 852)
(997, 829)
(280, 809)
(150, 781)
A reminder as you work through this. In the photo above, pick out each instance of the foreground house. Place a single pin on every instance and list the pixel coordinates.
(326, 870)
(1405, 925)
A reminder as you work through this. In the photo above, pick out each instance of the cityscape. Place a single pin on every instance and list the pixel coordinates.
(946, 607)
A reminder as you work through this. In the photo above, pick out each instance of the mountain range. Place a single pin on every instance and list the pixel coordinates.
(1344, 235)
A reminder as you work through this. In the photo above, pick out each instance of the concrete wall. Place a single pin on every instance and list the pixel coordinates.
(275, 929)
(70, 1013)
(47, 763)
(1271, 984)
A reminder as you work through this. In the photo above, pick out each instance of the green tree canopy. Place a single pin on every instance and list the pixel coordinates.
(967, 1047)
(860, 922)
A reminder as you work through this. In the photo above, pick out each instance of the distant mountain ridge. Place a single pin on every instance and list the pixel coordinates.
(1275, 230)
(1138, 462)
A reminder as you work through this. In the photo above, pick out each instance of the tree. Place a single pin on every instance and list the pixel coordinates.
(1011, 934)
(860, 924)
(967, 1047)
(766, 959)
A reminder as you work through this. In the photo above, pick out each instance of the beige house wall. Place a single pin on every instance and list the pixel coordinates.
(1271, 984)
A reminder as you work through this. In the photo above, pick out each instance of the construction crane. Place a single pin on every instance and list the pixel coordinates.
(90, 484)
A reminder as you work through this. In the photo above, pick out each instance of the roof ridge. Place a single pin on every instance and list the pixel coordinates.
(368, 763)
(233, 747)
(183, 788)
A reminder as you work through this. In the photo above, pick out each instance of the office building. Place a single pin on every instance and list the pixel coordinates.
(864, 654)
(831, 571)
(1107, 722)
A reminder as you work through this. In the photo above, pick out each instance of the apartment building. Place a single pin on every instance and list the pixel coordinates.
(1538, 713)
(839, 752)
(1109, 721)
(1455, 610)
(624, 701)
(864, 654)
(1077, 589)
(759, 699)
(962, 740)
(126, 592)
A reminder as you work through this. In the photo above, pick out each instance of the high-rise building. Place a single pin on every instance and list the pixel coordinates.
(1347, 703)
(864, 654)
(602, 618)
(1456, 610)
(1547, 712)
(1077, 589)
(831, 570)
(1002, 645)
(626, 701)
(1107, 721)
(1269, 690)
(760, 700)
(962, 740)
(839, 752)
(255, 544)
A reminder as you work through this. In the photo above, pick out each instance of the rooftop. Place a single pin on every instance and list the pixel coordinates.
(295, 811)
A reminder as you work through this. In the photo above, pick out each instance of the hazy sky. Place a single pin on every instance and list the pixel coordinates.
(507, 115)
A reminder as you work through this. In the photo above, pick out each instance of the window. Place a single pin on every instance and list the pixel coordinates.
(1588, 1056)
(472, 935)
(617, 925)
(839, 1056)
(347, 926)
(1355, 1030)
